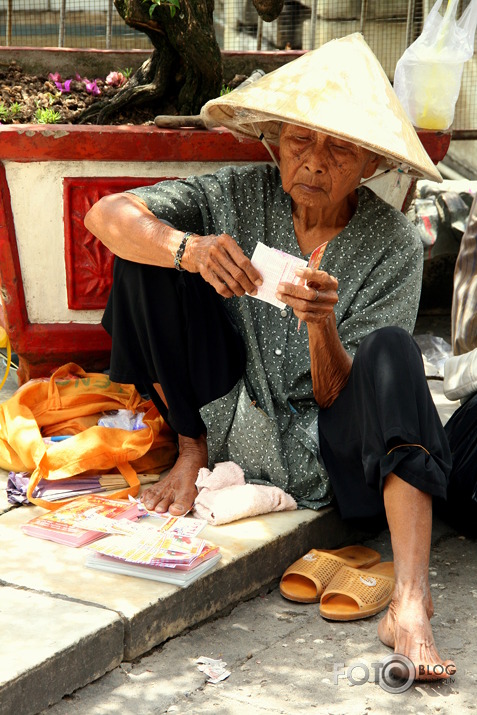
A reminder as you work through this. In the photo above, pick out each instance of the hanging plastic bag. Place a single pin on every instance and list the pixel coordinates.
(428, 75)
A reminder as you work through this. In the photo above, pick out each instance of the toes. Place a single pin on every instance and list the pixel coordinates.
(450, 666)
(155, 502)
(149, 501)
(150, 497)
(178, 508)
(183, 502)
(161, 506)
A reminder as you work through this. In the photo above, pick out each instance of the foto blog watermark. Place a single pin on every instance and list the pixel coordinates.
(395, 674)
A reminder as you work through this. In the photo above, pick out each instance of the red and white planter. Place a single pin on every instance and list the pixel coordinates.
(54, 275)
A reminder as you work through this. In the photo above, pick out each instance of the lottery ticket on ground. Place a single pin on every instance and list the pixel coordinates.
(214, 669)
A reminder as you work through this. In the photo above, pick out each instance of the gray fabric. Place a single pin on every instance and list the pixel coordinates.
(464, 300)
(269, 422)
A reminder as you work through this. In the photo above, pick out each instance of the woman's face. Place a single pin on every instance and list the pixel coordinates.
(319, 171)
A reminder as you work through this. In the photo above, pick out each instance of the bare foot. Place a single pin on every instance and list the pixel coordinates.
(176, 492)
(406, 627)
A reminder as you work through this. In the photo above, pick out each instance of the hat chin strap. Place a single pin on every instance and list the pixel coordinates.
(261, 137)
(401, 169)
(377, 176)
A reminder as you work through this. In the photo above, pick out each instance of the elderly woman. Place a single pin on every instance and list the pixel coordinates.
(232, 374)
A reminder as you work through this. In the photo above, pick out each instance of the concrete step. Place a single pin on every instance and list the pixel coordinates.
(51, 646)
(64, 625)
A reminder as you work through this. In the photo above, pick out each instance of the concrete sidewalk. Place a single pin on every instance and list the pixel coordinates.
(285, 659)
(64, 626)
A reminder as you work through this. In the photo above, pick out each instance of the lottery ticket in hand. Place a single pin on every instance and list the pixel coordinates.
(315, 260)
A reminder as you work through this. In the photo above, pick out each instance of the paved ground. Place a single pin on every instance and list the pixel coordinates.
(285, 659)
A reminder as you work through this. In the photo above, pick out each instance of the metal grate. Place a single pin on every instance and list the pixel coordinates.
(388, 26)
(67, 23)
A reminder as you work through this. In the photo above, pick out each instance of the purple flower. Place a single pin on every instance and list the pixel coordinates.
(64, 87)
(92, 88)
(55, 77)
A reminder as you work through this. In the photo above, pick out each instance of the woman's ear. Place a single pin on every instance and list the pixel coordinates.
(371, 165)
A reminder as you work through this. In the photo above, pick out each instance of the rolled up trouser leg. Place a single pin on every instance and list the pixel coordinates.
(172, 328)
(383, 421)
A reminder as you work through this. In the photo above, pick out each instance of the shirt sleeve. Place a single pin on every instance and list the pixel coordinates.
(212, 203)
(464, 300)
(390, 291)
(181, 202)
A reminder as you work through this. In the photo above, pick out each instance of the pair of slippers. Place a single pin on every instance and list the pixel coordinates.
(349, 583)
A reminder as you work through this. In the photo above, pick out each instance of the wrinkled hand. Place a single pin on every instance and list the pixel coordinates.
(222, 263)
(313, 302)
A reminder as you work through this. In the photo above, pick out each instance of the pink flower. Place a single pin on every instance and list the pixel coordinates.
(115, 79)
(92, 87)
(64, 87)
(55, 77)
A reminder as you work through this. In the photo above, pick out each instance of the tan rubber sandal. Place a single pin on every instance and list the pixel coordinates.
(306, 579)
(358, 593)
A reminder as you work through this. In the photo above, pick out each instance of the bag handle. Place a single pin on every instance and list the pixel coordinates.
(72, 371)
(65, 372)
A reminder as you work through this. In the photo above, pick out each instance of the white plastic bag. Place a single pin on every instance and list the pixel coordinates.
(428, 75)
(123, 419)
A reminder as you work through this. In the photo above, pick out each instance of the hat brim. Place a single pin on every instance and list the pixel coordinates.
(339, 89)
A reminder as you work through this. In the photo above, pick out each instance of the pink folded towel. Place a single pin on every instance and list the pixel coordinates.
(224, 496)
(224, 474)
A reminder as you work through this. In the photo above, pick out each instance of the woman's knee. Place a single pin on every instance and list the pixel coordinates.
(392, 343)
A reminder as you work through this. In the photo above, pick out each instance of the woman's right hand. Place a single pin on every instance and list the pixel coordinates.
(222, 263)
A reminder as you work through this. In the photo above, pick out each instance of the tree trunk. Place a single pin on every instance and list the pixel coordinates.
(186, 64)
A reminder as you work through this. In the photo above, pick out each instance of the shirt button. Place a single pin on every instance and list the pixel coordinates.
(283, 313)
(278, 351)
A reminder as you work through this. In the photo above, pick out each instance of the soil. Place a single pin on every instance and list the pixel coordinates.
(28, 93)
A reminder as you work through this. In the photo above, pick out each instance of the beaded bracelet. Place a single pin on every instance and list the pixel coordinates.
(180, 251)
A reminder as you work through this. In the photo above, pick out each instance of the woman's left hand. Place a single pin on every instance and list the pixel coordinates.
(313, 302)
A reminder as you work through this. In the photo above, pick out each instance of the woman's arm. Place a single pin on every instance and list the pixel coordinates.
(314, 304)
(131, 231)
(330, 363)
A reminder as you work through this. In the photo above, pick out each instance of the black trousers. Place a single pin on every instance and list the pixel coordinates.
(386, 404)
(171, 327)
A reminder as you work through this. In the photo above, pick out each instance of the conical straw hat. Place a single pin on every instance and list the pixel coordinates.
(339, 89)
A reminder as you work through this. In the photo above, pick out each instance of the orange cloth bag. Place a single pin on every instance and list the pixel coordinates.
(70, 403)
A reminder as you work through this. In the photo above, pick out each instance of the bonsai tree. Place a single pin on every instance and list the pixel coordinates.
(185, 68)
